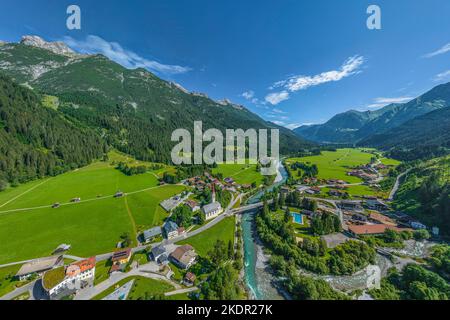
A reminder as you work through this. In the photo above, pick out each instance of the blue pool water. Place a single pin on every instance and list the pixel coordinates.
(298, 218)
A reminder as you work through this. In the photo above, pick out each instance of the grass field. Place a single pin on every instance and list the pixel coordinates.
(205, 241)
(141, 287)
(335, 165)
(7, 283)
(29, 228)
(241, 173)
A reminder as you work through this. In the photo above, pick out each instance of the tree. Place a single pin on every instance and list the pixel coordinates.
(182, 216)
(421, 234)
(219, 253)
(222, 284)
(287, 216)
(230, 250)
(126, 239)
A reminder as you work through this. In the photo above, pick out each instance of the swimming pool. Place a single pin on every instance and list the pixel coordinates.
(298, 218)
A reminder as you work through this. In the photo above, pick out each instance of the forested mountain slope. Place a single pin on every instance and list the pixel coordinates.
(135, 110)
(36, 141)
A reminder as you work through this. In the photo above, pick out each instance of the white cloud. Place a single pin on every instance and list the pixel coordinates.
(444, 49)
(292, 126)
(275, 110)
(114, 51)
(279, 123)
(442, 76)
(277, 97)
(381, 102)
(295, 83)
(248, 94)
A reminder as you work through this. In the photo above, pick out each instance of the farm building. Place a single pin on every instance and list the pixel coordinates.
(39, 266)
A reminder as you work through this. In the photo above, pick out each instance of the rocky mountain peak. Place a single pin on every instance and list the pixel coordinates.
(57, 47)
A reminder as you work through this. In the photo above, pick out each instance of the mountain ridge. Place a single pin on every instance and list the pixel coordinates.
(353, 126)
(132, 109)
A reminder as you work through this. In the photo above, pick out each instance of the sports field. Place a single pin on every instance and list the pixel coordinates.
(241, 173)
(30, 228)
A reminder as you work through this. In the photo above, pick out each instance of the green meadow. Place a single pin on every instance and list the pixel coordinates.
(241, 173)
(30, 228)
(205, 241)
(335, 165)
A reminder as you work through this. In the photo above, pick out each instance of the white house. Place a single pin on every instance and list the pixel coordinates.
(70, 279)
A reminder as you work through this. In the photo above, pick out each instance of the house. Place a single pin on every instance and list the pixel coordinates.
(61, 281)
(360, 217)
(150, 234)
(417, 225)
(39, 266)
(350, 205)
(189, 279)
(170, 229)
(375, 204)
(284, 190)
(120, 260)
(159, 255)
(301, 189)
(184, 256)
(373, 229)
(336, 193)
(381, 219)
(193, 205)
(313, 190)
(181, 231)
(228, 180)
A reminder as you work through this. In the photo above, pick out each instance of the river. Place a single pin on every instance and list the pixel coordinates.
(260, 281)
(257, 278)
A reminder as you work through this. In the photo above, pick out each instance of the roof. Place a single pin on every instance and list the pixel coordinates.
(53, 277)
(382, 218)
(183, 253)
(121, 254)
(212, 207)
(80, 266)
(372, 229)
(170, 226)
(39, 265)
(190, 277)
(192, 204)
(153, 232)
(157, 251)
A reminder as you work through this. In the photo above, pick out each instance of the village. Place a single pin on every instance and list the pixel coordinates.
(195, 210)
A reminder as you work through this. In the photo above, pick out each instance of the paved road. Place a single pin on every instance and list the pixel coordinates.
(26, 288)
(172, 293)
(90, 293)
(397, 185)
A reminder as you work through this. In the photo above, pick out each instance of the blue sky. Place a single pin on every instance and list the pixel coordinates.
(292, 62)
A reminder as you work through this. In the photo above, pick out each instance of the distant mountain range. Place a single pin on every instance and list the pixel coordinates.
(355, 127)
(132, 110)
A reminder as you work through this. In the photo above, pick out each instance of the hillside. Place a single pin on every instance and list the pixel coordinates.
(135, 110)
(36, 141)
(425, 194)
(354, 126)
(424, 136)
